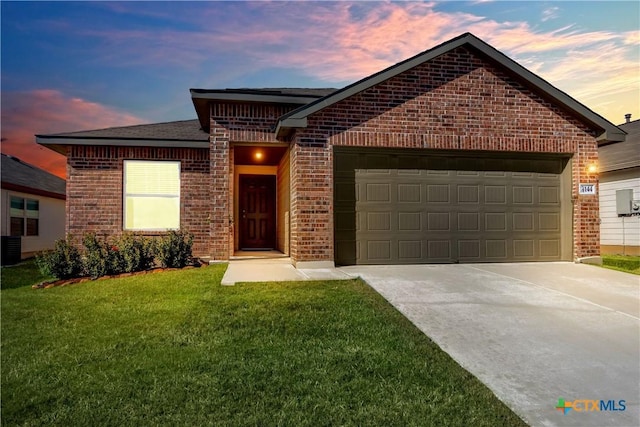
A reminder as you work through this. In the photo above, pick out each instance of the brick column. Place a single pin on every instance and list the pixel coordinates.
(220, 208)
(586, 208)
(312, 204)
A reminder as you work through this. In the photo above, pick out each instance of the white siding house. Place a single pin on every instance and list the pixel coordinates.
(33, 206)
(620, 170)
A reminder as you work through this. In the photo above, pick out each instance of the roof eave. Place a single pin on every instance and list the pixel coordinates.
(610, 136)
(609, 132)
(59, 144)
(251, 97)
(286, 127)
(201, 99)
(30, 190)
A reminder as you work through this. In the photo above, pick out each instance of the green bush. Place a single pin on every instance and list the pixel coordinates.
(174, 249)
(99, 259)
(63, 262)
(132, 252)
(125, 254)
(621, 262)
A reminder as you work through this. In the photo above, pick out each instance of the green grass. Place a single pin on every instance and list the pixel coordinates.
(176, 348)
(626, 263)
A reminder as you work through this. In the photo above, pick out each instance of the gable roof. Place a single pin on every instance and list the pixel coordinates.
(290, 96)
(622, 155)
(183, 133)
(18, 175)
(608, 131)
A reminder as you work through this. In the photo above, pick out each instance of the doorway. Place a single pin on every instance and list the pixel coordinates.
(257, 206)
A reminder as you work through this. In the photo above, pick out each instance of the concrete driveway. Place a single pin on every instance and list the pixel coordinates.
(532, 332)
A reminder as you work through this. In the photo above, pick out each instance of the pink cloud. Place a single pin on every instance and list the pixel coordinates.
(25, 114)
(592, 66)
(343, 42)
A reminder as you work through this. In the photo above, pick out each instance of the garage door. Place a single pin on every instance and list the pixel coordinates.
(441, 214)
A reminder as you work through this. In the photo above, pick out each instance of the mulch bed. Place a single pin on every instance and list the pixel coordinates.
(64, 282)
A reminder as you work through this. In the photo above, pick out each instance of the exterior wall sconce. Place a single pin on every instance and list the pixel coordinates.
(592, 169)
(258, 155)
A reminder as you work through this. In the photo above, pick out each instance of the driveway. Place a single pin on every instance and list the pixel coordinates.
(532, 332)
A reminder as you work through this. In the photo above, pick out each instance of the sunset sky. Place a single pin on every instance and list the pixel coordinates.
(69, 66)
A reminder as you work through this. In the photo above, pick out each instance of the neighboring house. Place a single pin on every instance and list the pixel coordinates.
(619, 182)
(458, 154)
(33, 206)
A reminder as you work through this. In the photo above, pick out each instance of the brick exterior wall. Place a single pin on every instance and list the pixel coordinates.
(95, 189)
(220, 185)
(248, 122)
(456, 101)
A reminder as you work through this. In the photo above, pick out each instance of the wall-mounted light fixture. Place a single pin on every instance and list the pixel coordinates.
(258, 155)
(592, 169)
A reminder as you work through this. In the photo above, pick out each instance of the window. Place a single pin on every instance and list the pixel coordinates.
(151, 195)
(25, 216)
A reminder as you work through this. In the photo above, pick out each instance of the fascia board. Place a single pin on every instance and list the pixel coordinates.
(248, 97)
(609, 135)
(53, 141)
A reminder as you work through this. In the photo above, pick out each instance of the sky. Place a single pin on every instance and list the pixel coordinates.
(71, 66)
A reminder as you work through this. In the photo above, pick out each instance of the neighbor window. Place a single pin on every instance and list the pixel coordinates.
(151, 195)
(25, 215)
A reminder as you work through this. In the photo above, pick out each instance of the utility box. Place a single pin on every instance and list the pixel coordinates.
(624, 198)
(11, 249)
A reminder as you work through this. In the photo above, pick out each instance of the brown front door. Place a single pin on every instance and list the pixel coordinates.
(257, 212)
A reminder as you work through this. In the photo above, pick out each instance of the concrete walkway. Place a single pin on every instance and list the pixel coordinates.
(532, 332)
(275, 270)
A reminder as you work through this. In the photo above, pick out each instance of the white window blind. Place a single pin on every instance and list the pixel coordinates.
(151, 195)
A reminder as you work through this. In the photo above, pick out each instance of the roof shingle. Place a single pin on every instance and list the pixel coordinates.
(23, 176)
(622, 155)
(184, 130)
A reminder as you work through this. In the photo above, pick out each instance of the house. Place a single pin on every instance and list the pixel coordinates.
(620, 179)
(33, 208)
(458, 154)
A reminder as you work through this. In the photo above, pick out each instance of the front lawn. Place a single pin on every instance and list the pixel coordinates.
(176, 348)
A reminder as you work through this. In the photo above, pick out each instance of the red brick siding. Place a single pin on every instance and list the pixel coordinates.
(586, 208)
(249, 122)
(221, 199)
(456, 101)
(311, 203)
(95, 192)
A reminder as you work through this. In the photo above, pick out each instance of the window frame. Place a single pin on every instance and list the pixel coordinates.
(126, 195)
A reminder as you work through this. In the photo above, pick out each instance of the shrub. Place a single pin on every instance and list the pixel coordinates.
(98, 257)
(174, 249)
(131, 252)
(622, 262)
(63, 262)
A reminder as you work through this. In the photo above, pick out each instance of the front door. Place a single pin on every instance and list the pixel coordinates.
(257, 212)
